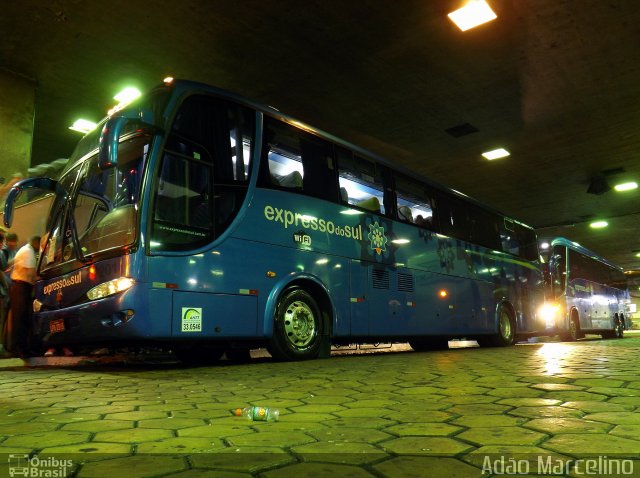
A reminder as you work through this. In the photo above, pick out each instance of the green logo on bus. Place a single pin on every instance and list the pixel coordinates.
(377, 238)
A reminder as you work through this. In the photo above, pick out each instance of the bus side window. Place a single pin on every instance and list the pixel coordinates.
(484, 228)
(452, 218)
(414, 204)
(297, 160)
(360, 182)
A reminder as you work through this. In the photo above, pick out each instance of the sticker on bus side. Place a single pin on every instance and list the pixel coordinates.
(191, 319)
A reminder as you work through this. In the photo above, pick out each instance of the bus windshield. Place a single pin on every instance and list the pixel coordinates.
(102, 213)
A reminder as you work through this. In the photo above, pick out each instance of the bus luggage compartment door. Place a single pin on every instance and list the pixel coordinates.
(201, 314)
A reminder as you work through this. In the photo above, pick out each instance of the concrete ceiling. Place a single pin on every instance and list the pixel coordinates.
(556, 82)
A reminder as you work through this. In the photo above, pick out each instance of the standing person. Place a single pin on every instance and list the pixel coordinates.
(4, 289)
(23, 278)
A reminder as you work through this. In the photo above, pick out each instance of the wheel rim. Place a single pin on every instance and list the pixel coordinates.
(299, 324)
(506, 330)
(573, 329)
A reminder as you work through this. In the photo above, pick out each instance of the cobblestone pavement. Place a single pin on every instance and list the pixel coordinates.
(551, 409)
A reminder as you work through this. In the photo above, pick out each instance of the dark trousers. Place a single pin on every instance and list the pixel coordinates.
(19, 325)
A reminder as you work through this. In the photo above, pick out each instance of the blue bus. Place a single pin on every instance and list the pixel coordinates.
(588, 294)
(199, 221)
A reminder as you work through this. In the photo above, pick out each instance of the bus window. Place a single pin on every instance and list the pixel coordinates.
(484, 228)
(452, 218)
(519, 240)
(360, 183)
(298, 161)
(413, 204)
(204, 173)
(559, 270)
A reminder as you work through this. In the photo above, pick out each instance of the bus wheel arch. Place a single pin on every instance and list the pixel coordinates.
(301, 322)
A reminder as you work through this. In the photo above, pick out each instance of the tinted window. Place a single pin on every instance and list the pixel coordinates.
(298, 161)
(414, 203)
(204, 173)
(361, 183)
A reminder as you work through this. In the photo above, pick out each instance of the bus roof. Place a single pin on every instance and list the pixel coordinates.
(562, 241)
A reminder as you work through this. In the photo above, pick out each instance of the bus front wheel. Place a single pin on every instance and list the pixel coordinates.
(296, 328)
(506, 335)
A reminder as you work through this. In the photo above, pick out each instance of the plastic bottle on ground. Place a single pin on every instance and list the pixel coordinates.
(254, 413)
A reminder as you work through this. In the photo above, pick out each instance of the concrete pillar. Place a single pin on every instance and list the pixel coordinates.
(17, 109)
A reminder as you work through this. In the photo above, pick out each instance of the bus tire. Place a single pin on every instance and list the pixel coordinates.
(617, 332)
(573, 333)
(297, 327)
(506, 335)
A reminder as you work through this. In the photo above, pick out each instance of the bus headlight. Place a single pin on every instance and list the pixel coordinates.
(109, 288)
(549, 313)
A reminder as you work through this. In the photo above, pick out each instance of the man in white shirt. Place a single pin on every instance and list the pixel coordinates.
(23, 277)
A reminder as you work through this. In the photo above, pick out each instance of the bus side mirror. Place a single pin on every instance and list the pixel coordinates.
(111, 131)
(46, 184)
(109, 139)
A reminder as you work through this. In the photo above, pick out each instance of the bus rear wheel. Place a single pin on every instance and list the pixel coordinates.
(297, 327)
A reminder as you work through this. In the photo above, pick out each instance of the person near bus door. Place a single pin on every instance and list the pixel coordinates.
(23, 278)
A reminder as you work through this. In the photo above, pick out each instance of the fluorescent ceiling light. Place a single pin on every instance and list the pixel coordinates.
(599, 224)
(474, 13)
(626, 186)
(496, 154)
(127, 95)
(83, 126)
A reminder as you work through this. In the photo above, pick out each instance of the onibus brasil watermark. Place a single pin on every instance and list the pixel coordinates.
(37, 467)
(548, 465)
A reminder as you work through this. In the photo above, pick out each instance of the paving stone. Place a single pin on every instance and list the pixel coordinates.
(423, 429)
(139, 466)
(266, 438)
(67, 417)
(88, 451)
(571, 396)
(26, 428)
(435, 446)
(195, 473)
(41, 439)
(502, 436)
(355, 453)
(616, 392)
(432, 467)
(479, 409)
(597, 444)
(134, 435)
(417, 415)
(349, 435)
(617, 418)
(170, 423)
(514, 392)
(551, 387)
(95, 426)
(182, 445)
(317, 408)
(599, 382)
(243, 459)
(466, 399)
(593, 407)
(318, 470)
(541, 412)
(634, 401)
(529, 402)
(626, 431)
(567, 425)
(362, 422)
(536, 458)
(206, 431)
(484, 421)
(136, 415)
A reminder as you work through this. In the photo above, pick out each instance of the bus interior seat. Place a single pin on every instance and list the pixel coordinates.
(405, 214)
(370, 204)
(291, 180)
(344, 195)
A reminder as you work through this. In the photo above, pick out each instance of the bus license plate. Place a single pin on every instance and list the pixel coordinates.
(56, 326)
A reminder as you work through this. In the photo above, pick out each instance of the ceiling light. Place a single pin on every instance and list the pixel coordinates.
(626, 186)
(544, 246)
(496, 154)
(127, 95)
(474, 13)
(598, 224)
(83, 126)
(638, 254)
